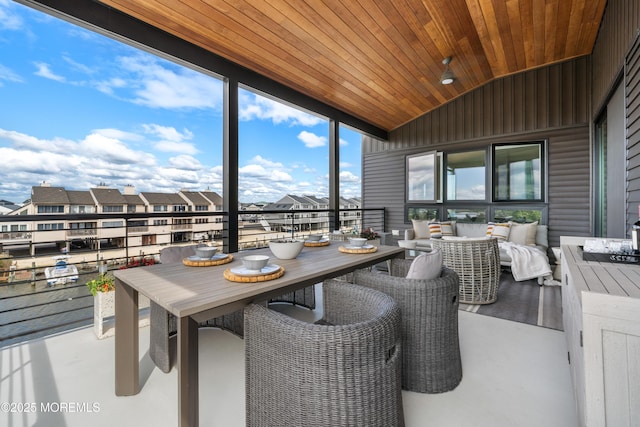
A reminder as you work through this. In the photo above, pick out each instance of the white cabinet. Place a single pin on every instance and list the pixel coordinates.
(601, 314)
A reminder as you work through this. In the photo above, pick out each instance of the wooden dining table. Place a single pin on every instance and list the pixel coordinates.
(196, 294)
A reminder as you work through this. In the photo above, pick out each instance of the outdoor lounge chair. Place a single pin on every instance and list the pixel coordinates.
(430, 346)
(345, 371)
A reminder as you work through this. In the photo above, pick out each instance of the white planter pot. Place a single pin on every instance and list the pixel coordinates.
(104, 311)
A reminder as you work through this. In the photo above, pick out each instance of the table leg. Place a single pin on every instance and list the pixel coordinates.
(188, 399)
(126, 340)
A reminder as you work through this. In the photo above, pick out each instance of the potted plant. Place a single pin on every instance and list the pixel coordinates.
(102, 288)
(103, 283)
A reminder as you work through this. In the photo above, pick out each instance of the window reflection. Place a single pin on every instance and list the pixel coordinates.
(517, 172)
(466, 175)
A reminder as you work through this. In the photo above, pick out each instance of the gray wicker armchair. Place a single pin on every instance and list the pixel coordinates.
(477, 262)
(344, 371)
(430, 346)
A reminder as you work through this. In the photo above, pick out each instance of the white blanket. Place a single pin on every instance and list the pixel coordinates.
(527, 262)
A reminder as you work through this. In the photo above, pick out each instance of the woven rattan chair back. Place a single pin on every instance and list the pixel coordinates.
(342, 372)
(431, 361)
(477, 262)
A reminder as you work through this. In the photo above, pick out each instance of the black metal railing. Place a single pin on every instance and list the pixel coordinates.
(32, 307)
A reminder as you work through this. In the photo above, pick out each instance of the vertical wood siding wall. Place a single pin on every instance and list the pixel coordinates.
(614, 55)
(632, 91)
(550, 103)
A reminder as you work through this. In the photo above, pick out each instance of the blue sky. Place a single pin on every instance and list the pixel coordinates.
(78, 109)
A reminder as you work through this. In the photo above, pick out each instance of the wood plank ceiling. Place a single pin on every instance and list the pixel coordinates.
(380, 60)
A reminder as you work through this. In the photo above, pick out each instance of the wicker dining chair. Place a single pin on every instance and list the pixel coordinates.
(431, 360)
(343, 371)
(477, 262)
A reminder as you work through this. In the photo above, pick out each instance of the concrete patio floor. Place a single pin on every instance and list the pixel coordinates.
(513, 375)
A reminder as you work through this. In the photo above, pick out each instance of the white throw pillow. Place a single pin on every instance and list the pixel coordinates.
(426, 266)
(523, 234)
(420, 228)
(501, 231)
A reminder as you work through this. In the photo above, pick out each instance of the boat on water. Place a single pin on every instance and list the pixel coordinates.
(62, 272)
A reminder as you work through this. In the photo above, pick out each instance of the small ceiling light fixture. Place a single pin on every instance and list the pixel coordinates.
(447, 77)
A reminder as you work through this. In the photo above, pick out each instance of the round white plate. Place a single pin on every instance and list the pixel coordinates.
(359, 247)
(241, 271)
(213, 258)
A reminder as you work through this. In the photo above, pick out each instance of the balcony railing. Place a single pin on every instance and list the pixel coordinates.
(31, 308)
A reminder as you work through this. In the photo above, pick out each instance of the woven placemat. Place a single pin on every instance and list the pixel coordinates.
(253, 279)
(358, 250)
(314, 244)
(207, 262)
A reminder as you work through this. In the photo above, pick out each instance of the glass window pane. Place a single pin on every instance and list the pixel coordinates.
(517, 172)
(423, 213)
(421, 177)
(467, 215)
(518, 215)
(466, 175)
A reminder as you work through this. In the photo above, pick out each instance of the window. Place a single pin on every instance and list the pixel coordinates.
(82, 209)
(423, 213)
(112, 224)
(467, 215)
(82, 225)
(517, 172)
(466, 175)
(160, 208)
(201, 208)
(422, 177)
(519, 215)
(47, 227)
(50, 209)
(115, 208)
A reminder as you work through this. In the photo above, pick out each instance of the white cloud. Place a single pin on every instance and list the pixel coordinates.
(344, 165)
(118, 134)
(343, 142)
(311, 140)
(7, 74)
(171, 140)
(43, 70)
(253, 106)
(8, 19)
(104, 155)
(157, 86)
(168, 132)
(78, 66)
(185, 162)
(107, 86)
(346, 176)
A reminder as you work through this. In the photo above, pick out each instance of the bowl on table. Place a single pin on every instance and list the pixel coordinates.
(357, 242)
(255, 263)
(206, 252)
(286, 248)
(314, 237)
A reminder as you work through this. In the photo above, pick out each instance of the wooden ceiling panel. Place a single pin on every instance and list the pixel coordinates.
(380, 60)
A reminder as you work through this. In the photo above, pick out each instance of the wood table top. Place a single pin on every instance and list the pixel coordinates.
(187, 291)
(602, 277)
